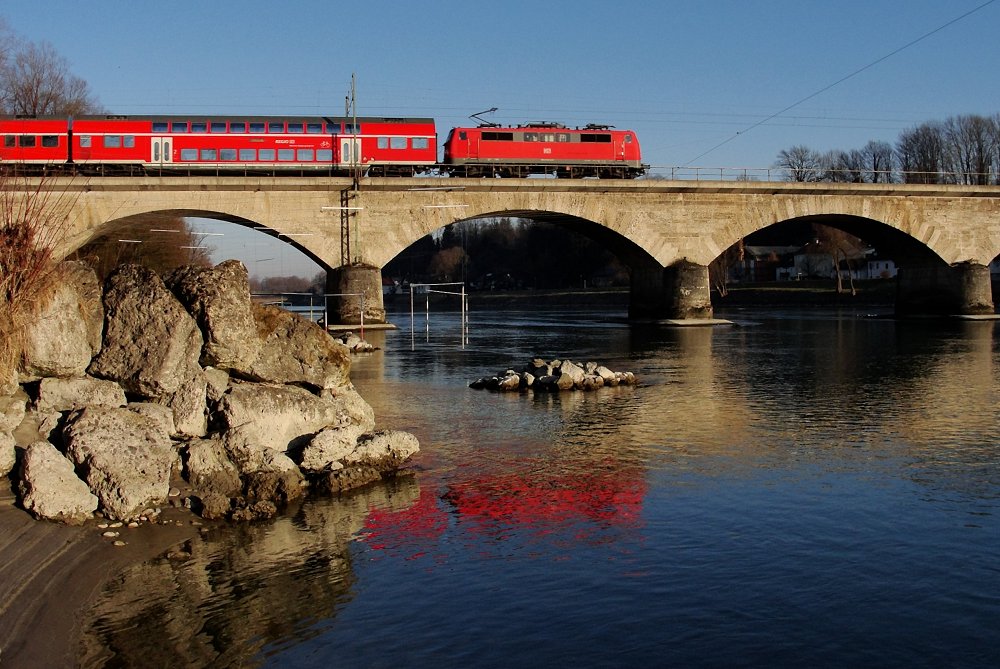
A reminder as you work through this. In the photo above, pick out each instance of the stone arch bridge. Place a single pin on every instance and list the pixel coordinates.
(942, 237)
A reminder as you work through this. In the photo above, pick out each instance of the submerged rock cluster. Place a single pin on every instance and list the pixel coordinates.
(153, 385)
(555, 376)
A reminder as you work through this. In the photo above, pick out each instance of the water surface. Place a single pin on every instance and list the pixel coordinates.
(802, 488)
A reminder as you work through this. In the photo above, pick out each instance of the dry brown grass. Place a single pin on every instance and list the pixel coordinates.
(32, 218)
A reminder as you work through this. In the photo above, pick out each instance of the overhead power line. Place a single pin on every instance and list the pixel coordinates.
(841, 80)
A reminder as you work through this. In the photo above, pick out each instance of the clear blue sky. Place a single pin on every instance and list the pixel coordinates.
(687, 76)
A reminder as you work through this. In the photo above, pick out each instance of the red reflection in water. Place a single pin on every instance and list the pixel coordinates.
(413, 530)
(581, 505)
(542, 502)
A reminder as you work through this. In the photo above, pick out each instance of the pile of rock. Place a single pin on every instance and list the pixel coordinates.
(554, 376)
(356, 344)
(156, 384)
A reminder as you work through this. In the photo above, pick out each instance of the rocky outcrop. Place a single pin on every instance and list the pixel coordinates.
(66, 334)
(219, 299)
(125, 456)
(298, 351)
(67, 394)
(50, 488)
(555, 376)
(272, 415)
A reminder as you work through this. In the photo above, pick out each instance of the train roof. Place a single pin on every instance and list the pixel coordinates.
(220, 117)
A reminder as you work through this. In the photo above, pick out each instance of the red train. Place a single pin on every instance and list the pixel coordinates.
(373, 146)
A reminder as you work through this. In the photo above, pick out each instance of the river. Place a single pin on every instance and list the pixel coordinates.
(800, 488)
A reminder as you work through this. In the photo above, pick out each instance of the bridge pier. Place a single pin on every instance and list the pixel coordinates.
(347, 284)
(680, 291)
(960, 289)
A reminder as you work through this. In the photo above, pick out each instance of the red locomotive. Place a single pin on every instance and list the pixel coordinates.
(543, 148)
(311, 145)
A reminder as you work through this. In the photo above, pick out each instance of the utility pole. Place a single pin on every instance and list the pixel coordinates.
(348, 198)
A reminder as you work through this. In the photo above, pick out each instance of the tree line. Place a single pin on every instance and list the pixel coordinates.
(962, 149)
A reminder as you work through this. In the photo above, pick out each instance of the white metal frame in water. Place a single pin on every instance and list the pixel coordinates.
(436, 288)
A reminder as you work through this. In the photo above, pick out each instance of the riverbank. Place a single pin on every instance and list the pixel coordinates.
(50, 573)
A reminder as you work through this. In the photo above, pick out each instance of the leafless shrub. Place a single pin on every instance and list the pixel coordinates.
(32, 219)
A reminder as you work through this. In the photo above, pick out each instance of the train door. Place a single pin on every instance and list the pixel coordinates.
(350, 151)
(160, 151)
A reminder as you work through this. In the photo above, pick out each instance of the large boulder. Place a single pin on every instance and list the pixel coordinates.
(50, 488)
(298, 351)
(125, 456)
(67, 394)
(12, 410)
(328, 449)
(66, 333)
(8, 453)
(384, 450)
(151, 344)
(219, 299)
(277, 417)
(209, 470)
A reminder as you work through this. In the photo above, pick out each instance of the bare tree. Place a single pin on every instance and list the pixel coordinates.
(843, 248)
(35, 80)
(920, 152)
(877, 159)
(843, 166)
(801, 163)
(970, 149)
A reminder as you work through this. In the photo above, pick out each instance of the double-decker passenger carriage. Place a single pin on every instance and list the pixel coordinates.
(223, 144)
(33, 143)
(543, 148)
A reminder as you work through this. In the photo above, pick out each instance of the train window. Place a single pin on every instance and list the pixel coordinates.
(128, 141)
(602, 138)
(324, 155)
(256, 128)
(463, 135)
(383, 142)
(531, 136)
(286, 154)
(9, 141)
(266, 154)
(276, 126)
(351, 129)
(397, 142)
(238, 127)
(160, 126)
(209, 154)
(84, 141)
(50, 140)
(218, 126)
(419, 143)
(248, 154)
(295, 128)
(26, 140)
(628, 138)
(498, 137)
(179, 126)
(562, 137)
(199, 126)
(333, 128)
(227, 154)
(304, 155)
(314, 128)
(189, 154)
(112, 141)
